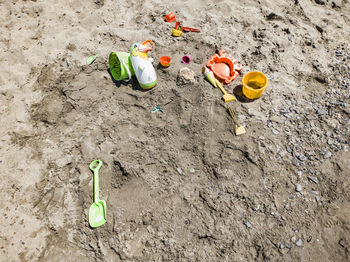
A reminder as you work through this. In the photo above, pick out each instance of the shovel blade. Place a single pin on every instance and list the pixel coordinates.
(97, 214)
(228, 98)
(239, 130)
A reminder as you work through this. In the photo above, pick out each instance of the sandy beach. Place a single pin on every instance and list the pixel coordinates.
(179, 184)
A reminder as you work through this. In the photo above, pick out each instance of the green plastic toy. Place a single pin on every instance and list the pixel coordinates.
(91, 59)
(120, 66)
(98, 209)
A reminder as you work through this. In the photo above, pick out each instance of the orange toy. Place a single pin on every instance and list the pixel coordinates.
(224, 67)
(165, 61)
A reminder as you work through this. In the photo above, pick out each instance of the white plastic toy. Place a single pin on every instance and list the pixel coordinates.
(142, 64)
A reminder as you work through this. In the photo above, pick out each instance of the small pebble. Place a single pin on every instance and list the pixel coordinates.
(282, 245)
(338, 53)
(179, 170)
(313, 179)
(293, 239)
(322, 111)
(328, 154)
(299, 243)
(298, 187)
(247, 224)
(309, 239)
(275, 132)
(192, 170)
(298, 194)
(302, 158)
(318, 200)
(314, 192)
(299, 174)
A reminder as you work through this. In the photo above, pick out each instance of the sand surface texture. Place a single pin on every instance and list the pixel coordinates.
(179, 185)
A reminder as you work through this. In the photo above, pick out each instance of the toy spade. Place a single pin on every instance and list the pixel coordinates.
(227, 97)
(209, 75)
(239, 130)
(98, 209)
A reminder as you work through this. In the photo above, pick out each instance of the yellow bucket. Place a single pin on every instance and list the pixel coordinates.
(254, 83)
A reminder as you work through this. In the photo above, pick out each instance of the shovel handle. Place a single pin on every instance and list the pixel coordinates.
(96, 178)
(221, 87)
(232, 115)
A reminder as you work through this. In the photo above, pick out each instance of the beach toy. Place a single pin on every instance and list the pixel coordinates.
(186, 59)
(98, 209)
(177, 31)
(239, 130)
(209, 75)
(227, 97)
(189, 29)
(91, 59)
(120, 66)
(170, 17)
(224, 66)
(157, 108)
(142, 64)
(254, 83)
(165, 61)
(211, 78)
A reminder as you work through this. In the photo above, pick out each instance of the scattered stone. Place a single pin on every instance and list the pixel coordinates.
(320, 2)
(299, 243)
(299, 174)
(338, 53)
(192, 170)
(283, 218)
(185, 76)
(327, 154)
(282, 245)
(318, 200)
(313, 179)
(275, 132)
(309, 238)
(273, 16)
(322, 111)
(302, 158)
(293, 239)
(298, 187)
(314, 192)
(256, 208)
(247, 224)
(319, 29)
(179, 170)
(298, 194)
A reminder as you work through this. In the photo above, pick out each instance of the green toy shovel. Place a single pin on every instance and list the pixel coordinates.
(98, 209)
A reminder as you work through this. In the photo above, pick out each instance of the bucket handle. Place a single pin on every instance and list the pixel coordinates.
(127, 69)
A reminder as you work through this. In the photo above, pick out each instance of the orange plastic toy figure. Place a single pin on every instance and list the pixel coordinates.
(224, 67)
